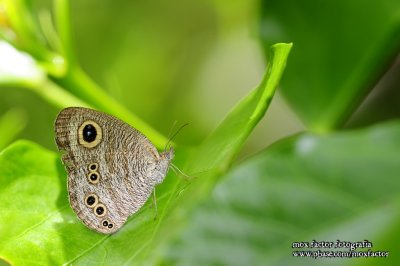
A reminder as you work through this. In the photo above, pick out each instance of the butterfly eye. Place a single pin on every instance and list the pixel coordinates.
(106, 223)
(100, 210)
(93, 177)
(91, 200)
(89, 134)
(93, 166)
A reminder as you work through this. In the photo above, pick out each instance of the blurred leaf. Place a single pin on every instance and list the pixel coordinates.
(22, 29)
(11, 123)
(325, 187)
(18, 68)
(229, 136)
(53, 235)
(342, 49)
(3, 263)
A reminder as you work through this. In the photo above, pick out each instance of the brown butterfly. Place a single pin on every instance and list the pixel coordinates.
(112, 167)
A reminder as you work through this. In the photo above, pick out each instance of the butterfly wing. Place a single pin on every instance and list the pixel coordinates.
(110, 167)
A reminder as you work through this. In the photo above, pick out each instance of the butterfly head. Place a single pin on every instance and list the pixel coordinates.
(168, 155)
(163, 165)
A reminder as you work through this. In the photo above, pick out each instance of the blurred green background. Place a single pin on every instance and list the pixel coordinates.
(202, 56)
(164, 57)
(191, 61)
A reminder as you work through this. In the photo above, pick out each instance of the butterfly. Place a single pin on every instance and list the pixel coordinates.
(112, 167)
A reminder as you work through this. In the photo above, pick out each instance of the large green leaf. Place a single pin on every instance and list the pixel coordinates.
(325, 187)
(37, 226)
(341, 50)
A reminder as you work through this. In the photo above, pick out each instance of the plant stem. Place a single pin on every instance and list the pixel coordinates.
(63, 25)
(57, 95)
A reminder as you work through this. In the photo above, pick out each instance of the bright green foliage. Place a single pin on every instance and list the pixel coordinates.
(336, 185)
(38, 226)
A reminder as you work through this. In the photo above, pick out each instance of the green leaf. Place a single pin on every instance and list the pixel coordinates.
(29, 210)
(308, 187)
(38, 226)
(342, 49)
(219, 148)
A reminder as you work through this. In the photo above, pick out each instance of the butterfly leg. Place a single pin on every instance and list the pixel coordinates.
(155, 203)
(178, 172)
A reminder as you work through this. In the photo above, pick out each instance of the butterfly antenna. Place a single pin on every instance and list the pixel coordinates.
(169, 134)
(172, 128)
(174, 135)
